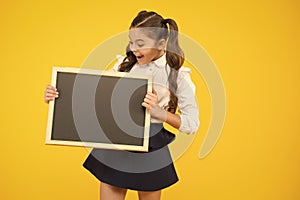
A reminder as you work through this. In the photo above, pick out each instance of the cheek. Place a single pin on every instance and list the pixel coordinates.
(145, 52)
(148, 52)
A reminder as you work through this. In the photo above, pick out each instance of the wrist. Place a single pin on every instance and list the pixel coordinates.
(164, 115)
(158, 113)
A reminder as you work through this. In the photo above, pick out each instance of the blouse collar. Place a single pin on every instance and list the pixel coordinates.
(161, 61)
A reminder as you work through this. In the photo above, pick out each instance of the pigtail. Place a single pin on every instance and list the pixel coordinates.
(172, 79)
(175, 59)
(174, 55)
(128, 62)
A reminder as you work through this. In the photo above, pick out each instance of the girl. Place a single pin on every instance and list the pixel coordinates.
(153, 49)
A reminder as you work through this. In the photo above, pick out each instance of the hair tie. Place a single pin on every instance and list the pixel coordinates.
(164, 21)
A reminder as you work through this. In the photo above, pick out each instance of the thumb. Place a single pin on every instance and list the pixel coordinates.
(153, 91)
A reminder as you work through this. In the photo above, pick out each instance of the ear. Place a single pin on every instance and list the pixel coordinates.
(161, 44)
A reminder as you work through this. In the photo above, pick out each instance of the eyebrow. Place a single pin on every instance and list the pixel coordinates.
(137, 40)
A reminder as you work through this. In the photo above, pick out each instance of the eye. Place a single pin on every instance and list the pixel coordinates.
(136, 45)
(140, 44)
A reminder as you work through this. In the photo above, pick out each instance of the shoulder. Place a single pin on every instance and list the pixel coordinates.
(183, 73)
(185, 70)
(184, 80)
(120, 59)
(185, 86)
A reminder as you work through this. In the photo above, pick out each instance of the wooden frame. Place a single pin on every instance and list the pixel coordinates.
(99, 109)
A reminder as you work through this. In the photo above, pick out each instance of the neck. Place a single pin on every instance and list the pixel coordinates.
(160, 54)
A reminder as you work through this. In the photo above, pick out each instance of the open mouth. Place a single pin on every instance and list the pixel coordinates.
(139, 57)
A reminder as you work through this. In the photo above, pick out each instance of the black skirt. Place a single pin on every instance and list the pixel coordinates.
(142, 171)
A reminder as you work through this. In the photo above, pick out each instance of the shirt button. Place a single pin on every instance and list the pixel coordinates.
(150, 69)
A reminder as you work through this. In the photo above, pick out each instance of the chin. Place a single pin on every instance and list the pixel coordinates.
(143, 63)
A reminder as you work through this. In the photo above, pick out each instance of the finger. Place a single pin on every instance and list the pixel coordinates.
(51, 90)
(149, 97)
(51, 96)
(151, 100)
(154, 91)
(148, 101)
(151, 94)
(51, 87)
(51, 93)
(49, 99)
(146, 105)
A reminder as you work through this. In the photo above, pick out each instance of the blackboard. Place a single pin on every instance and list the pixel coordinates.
(99, 109)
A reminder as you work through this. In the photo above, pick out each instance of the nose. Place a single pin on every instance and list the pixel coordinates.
(133, 48)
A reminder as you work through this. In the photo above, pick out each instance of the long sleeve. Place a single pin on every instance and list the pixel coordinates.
(187, 105)
(115, 68)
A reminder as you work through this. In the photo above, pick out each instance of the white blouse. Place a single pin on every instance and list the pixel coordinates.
(187, 105)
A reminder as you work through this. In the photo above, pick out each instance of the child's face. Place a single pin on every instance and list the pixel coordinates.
(143, 47)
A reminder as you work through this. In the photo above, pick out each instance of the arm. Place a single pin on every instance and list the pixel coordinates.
(188, 120)
(187, 105)
(173, 120)
(151, 103)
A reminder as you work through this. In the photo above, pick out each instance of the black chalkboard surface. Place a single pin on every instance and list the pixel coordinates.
(99, 109)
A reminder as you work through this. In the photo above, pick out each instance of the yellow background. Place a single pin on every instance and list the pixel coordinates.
(255, 45)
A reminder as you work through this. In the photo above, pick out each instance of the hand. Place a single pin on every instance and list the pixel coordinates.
(151, 103)
(50, 93)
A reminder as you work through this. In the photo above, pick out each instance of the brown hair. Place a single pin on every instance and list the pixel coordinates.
(157, 29)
